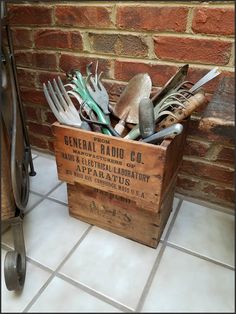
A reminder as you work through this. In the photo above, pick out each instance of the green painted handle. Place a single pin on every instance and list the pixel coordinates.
(81, 89)
(134, 133)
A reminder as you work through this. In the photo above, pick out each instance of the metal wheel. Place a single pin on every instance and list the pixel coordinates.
(14, 271)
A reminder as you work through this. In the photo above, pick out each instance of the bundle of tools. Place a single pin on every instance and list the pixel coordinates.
(148, 119)
(16, 161)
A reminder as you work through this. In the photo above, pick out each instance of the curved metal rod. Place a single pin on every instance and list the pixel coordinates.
(106, 125)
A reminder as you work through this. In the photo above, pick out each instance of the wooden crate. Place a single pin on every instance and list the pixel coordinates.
(118, 214)
(112, 179)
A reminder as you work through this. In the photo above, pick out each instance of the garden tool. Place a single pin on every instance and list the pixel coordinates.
(173, 82)
(62, 106)
(160, 102)
(137, 88)
(146, 117)
(79, 86)
(172, 130)
(89, 112)
(205, 79)
(120, 126)
(96, 89)
(17, 161)
(179, 114)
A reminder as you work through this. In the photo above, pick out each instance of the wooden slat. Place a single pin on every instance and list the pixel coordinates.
(127, 168)
(119, 214)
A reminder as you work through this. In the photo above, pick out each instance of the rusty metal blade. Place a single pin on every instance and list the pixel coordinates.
(138, 87)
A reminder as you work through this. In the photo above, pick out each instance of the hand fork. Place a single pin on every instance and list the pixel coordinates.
(62, 106)
(98, 92)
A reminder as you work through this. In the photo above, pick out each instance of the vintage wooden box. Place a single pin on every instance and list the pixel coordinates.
(124, 186)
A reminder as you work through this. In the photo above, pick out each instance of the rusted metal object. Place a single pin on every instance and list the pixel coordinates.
(173, 82)
(219, 116)
(138, 87)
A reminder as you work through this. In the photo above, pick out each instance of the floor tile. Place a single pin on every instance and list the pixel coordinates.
(185, 283)
(60, 193)
(175, 204)
(46, 178)
(14, 302)
(112, 265)
(50, 233)
(33, 199)
(205, 231)
(62, 297)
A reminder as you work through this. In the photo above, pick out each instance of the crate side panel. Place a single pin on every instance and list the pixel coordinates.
(118, 214)
(126, 168)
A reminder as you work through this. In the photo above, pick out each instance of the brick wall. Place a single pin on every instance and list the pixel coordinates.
(126, 38)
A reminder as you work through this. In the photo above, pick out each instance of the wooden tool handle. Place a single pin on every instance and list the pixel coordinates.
(182, 113)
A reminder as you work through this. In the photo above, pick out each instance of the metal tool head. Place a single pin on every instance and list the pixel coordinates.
(146, 117)
(137, 88)
(172, 130)
(98, 92)
(173, 82)
(61, 104)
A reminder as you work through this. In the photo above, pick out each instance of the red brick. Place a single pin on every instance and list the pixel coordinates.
(49, 117)
(226, 155)
(200, 189)
(186, 183)
(114, 90)
(152, 18)
(196, 148)
(195, 74)
(32, 113)
(22, 38)
(30, 15)
(33, 96)
(220, 193)
(192, 50)
(221, 109)
(24, 59)
(212, 132)
(83, 16)
(68, 62)
(39, 129)
(55, 38)
(36, 60)
(26, 78)
(43, 77)
(38, 142)
(126, 45)
(219, 21)
(45, 60)
(159, 73)
(207, 171)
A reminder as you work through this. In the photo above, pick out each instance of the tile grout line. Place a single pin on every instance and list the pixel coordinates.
(43, 197)
(50, 191)
(29, 259)
(96, 294)
(57, 201)
(208, 259)
(157, 262)
(54, 273)
(206, 204)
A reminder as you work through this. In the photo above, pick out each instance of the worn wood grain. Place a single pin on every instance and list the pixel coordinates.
(131, 169)
(119, 214)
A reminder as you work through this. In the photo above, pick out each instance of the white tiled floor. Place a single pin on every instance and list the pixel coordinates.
(75, 267)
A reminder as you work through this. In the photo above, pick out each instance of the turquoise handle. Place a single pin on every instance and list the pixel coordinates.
(81, 89)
